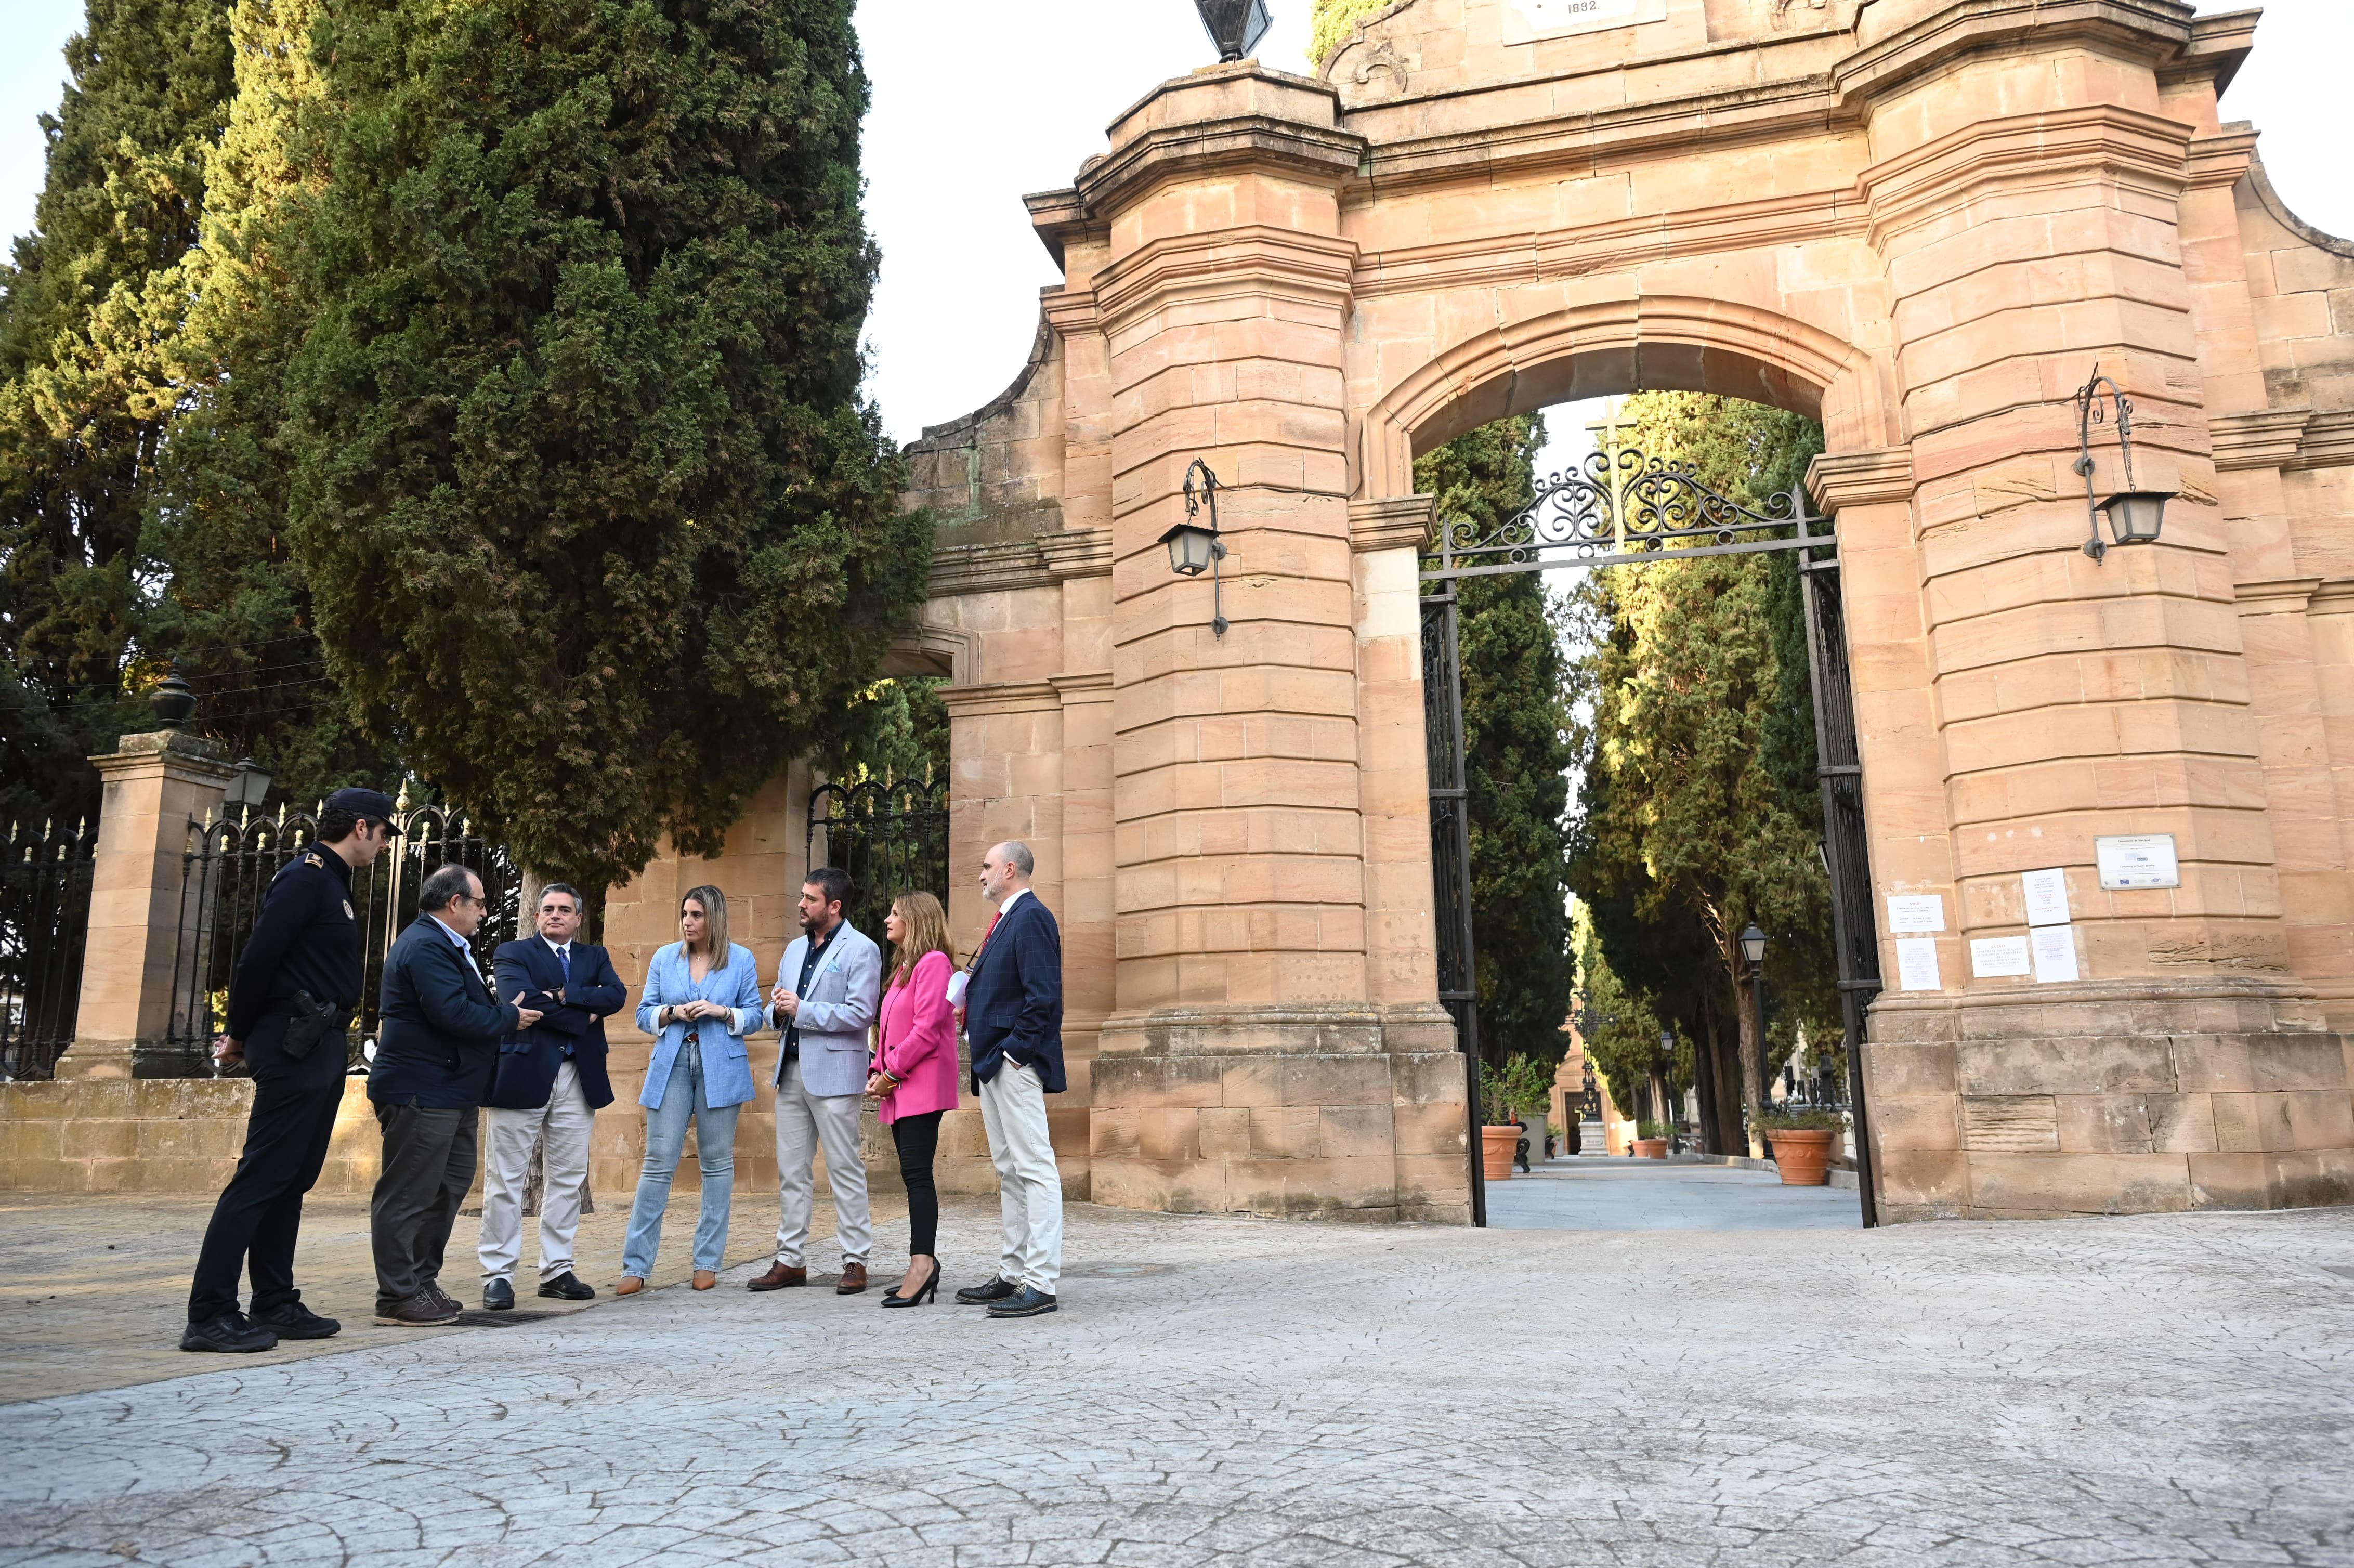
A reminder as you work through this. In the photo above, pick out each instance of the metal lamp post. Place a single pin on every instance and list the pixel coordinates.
(1234, 25)
(1753, 949)
(1194, 549)
(2134, 516)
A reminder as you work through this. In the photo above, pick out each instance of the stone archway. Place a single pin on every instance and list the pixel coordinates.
(1926, 221)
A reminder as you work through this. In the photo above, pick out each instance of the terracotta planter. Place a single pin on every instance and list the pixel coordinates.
(1497, 1147)
(1804, 1159)
(1651, 1149)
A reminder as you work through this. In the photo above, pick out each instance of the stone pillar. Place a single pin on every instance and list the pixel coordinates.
(155, 785)
(2025, 196)
(1258, 1060)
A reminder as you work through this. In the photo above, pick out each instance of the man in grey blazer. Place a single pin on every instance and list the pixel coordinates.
(829, 988)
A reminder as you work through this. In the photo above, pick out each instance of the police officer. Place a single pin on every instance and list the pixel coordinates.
(305, 944)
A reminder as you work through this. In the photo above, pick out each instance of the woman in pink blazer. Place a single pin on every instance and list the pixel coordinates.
(915, 1072)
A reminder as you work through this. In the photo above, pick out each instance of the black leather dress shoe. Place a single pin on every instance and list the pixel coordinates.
(229, 1333)
(293, 1321)
(1023, 1303)
(995, 1290)
(498, 1295)
(567, 1286)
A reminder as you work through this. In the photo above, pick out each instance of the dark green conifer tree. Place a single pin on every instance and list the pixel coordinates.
(92, 296)
(597, 527)
(1515, 720)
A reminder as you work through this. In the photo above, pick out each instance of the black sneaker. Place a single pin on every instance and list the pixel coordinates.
(432, 1290)
(230, 1333)
(568, 1287)
(418, 1311)
(293, 1321)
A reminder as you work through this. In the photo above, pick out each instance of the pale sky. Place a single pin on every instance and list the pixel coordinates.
(975, 105)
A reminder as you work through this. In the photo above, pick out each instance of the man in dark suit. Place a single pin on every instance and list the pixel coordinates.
(1013, 1013)
(544, 1096)
(304, 954)
(436, 1047)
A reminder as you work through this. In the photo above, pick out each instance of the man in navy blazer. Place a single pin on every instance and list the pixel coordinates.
(1013, 1018)
(435, 1045)
(549, 1086)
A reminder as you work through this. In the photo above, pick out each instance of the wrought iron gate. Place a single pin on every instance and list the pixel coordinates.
(45, 878)
(227, 867)
(1620, 508)
(891, 838)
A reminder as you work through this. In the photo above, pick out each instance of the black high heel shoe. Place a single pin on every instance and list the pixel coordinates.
(924, 1292)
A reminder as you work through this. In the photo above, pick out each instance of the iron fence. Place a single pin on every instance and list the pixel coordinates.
(891, 837)
(45, 880)
(229, 865)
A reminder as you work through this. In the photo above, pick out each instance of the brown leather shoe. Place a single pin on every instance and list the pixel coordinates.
(853, 1279)
(704, 1279)
(778, 1277)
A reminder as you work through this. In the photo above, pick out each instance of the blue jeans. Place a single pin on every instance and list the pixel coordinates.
(714, 1143)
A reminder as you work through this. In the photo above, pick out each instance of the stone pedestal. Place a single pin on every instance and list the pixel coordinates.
(155, 786)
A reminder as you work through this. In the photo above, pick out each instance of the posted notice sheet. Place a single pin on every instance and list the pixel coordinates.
(1916, 964)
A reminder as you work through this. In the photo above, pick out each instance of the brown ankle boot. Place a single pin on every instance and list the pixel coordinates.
(778, 1277)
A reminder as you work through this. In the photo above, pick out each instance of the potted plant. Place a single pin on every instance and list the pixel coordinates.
(1652, 1139)
(1802, 1142)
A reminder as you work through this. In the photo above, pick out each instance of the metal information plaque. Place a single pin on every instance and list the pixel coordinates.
(2137, 860)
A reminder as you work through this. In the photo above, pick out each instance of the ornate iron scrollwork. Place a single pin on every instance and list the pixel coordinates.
(1613, 509)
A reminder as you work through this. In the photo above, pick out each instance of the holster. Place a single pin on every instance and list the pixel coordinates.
(307, 1022)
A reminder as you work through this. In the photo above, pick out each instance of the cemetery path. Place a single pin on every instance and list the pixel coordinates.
(2160, 1390)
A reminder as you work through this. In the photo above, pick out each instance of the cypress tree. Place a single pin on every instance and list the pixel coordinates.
(93, 294)
(237, 606)
(1516, 746)
(598, 528)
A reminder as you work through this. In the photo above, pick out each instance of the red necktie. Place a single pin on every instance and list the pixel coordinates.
(985, 936)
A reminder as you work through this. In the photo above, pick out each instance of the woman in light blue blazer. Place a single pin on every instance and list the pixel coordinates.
(701, 997)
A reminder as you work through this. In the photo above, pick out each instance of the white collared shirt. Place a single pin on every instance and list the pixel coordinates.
(560, 950)
(449, 931)
(1007, 907)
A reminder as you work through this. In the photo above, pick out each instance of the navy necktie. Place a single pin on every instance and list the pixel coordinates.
(563, 962)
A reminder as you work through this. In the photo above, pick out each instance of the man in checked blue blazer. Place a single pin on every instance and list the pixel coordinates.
(829, 988)
(1013, 1018)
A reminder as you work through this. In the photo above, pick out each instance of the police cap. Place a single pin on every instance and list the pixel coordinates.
(370, 805)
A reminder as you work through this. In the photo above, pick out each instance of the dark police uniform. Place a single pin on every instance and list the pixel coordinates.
(307, 937)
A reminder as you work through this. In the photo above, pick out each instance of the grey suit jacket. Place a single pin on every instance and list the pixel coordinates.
(837, 1012)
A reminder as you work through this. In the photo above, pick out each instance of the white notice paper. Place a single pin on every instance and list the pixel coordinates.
(1991, 956)
(2047, 897)
(2055, 953)
(1916, 964)
(2137, 860)
(1911, 912)
(957, 982)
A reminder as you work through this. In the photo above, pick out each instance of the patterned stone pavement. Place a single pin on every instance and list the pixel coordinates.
(2167, 1390)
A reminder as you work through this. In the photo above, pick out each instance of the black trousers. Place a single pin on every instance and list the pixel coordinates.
(918, 1139)
(259, 1215)
(429, 1164)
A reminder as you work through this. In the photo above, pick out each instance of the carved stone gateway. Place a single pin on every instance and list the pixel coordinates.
(1923, 221)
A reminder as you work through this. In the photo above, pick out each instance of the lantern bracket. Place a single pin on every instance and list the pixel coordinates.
(2128, 507)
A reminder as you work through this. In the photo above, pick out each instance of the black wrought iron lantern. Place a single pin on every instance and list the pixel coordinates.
(2134, 516)
(1752, 946)
(1194, 548)
(174, 700)
(250, 787)
(1234, 25)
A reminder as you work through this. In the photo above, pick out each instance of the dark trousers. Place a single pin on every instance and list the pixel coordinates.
(918, 1139)
(259, 1215)
(429, 1164)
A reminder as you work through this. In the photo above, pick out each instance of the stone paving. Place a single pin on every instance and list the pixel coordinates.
(1599, 1193)
(2162, 1390)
